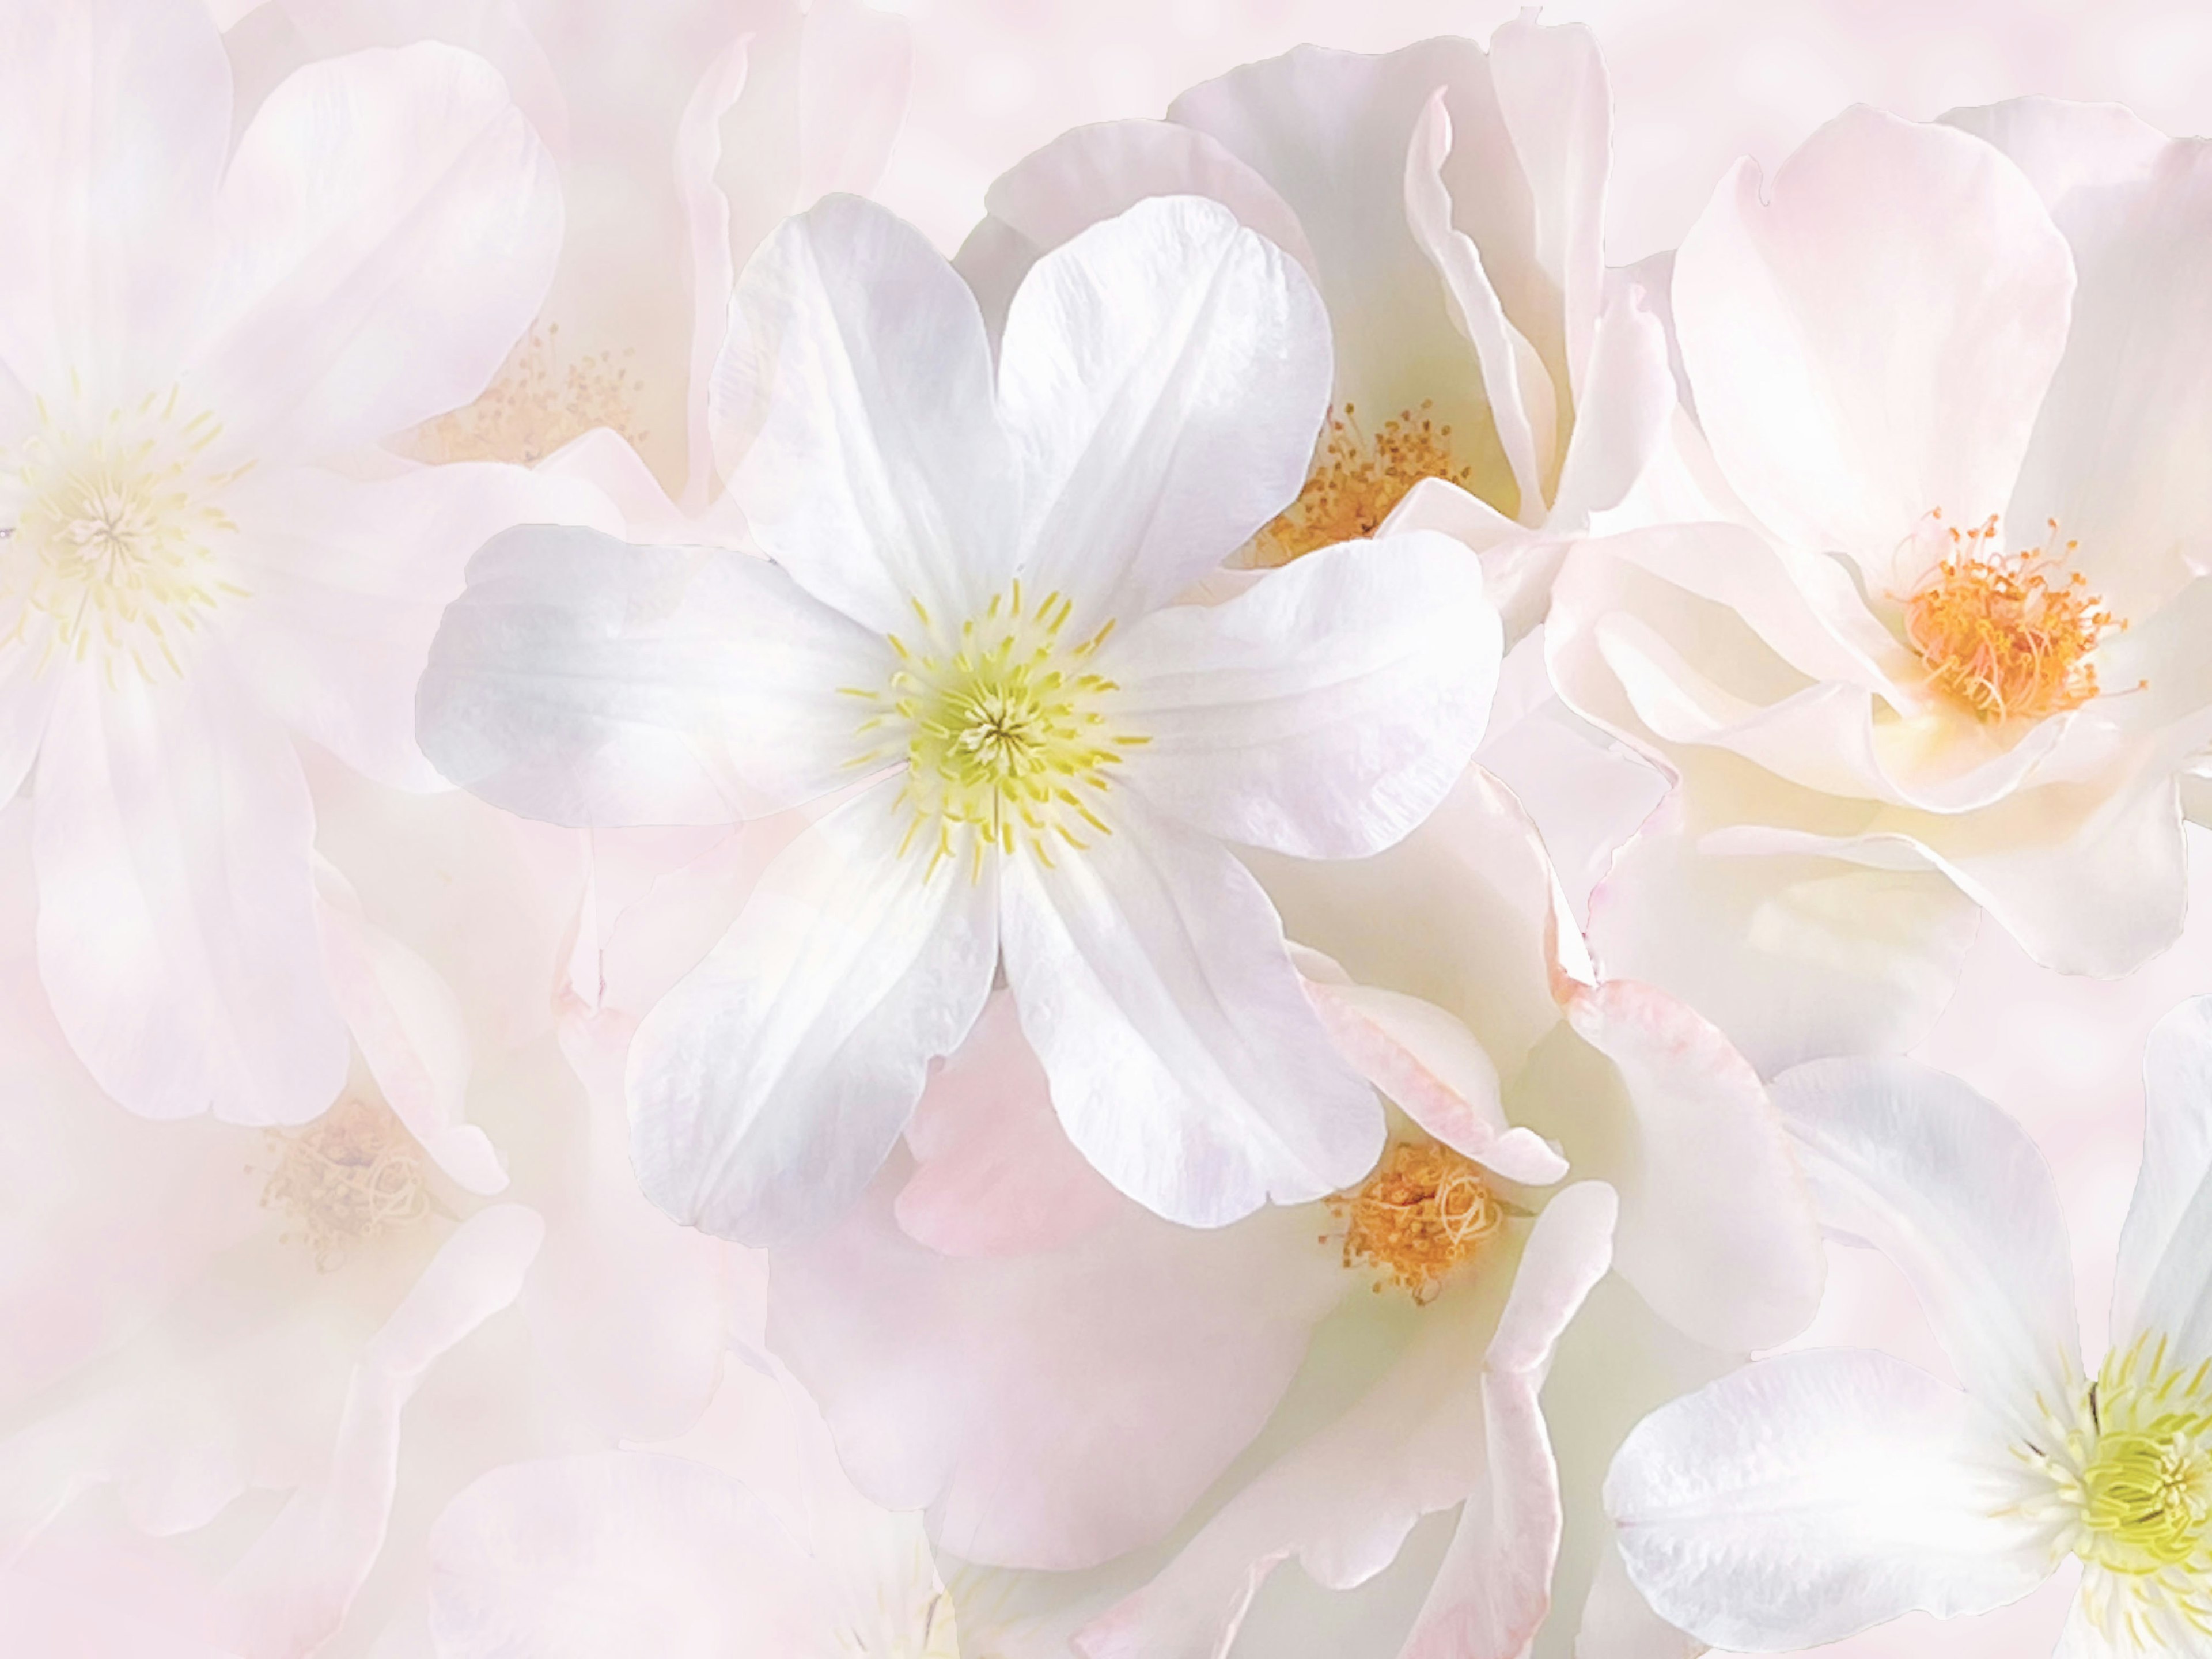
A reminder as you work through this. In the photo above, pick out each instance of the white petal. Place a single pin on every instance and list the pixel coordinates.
(1163, 376)
(1325, 711)
(392, 223)
(1806, 1498)
(176, 912)
(1875, 342)
(1185, 1061)
(858, 374)
(2084, 160)
(2177, 1154)
(1950, 1188)
(1626, 407)
(766, 1088)
(583, 680)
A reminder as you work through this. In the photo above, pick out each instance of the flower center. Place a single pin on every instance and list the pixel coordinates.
(348, 1178)
(1425, 1213)
(540, 403)
(2005, 635)
(1358, 480)
(114, 547)
(1004, 730)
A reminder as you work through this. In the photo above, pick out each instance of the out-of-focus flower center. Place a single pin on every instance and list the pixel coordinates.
(352, 1176)
(1358, 480)
(540, 403)
(2131, 1476)
(1426, 1212)
(2007, 636)
(1004, 730)
(114, 550)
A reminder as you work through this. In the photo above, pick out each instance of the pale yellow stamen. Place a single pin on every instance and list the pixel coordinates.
(538, 403)
(1425, 1213)
(1358, 480)
(350, 1178)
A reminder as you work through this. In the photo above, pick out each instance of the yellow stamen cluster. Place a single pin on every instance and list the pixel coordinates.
(348, 1178)
(2007, 636)
(1357, 482)
(1005, 731)
(115, 549)
(538, 403)
(1425, 1213)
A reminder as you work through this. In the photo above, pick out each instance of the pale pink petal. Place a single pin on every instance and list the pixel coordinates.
(857, 60)
(2085, 160)
(1626, 406)
(1617, 1623)
(2177, 1156)
(176, 912)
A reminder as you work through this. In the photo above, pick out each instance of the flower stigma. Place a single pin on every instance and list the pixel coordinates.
(1004, 730)
(114, 549)
(1358, 480)
(2007, 635)
(1425, 1213)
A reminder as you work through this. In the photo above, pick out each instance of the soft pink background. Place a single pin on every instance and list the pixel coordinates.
(1696, 84)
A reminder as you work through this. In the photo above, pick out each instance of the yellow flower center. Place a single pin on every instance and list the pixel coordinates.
(538, 403)
(1005, 731)
(2007, 635)
(1426, 1212)
(1358, 479)
(353, 1176)
(114, 550)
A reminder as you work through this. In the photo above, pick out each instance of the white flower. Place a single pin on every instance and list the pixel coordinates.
(969, 615)
(1820, 1492)
(1925, 631)
(201, 551)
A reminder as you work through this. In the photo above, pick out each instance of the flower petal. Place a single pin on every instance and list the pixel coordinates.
(1947, 1185)
(391, 222)
(1186, 1062)
(1325, 711)
(1840, 430)
(2177, 1154)
(1806, 1498)
(856, 383)
(583, 680)
(176, 912)
(767, 1087)
(1164, 376)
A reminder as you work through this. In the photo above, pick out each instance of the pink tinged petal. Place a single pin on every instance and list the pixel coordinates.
(2176, 1155)
(177, 931)
(856, 384)
(1617, 1623)
(1430, 1066)
(1912, 1161)
(1625, 405)
(114, 120)
(1717, 1232)
(293, 1587)
(620, 1555)
(994, 1173)
(1091, 174)
(1324, 712)
(1163, 376)
(1807, 1497)
(858, 63)
(2085, 160)
(346, 580)
(582, 680)
(1186, 1062)
(1875, 342)
(766, 1088)
(1052, 1410)
(412, 1032)
(1493, 1590)
(392, 222)
(27, 700)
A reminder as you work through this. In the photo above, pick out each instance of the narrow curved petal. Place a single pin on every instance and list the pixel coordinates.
(1186, 1062)
(1950, 1188)
(1163, 376)
(391, 222)
(2177, 1154)
(177, 931)
(766, 1088)
(1717, 1232)
(1325, 711)
(1626, 402)
(582, 680)
(1874, 342)
(1807, 1497)
(857, 383)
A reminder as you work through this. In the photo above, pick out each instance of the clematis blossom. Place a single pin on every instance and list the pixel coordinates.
(968, 616)
(1818, 1493)
(203, 554)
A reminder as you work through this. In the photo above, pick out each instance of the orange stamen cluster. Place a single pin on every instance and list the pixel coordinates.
(1423, 1214)
(351, 1177)
(537, 403)
(1358, 480)
(2008, 636)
